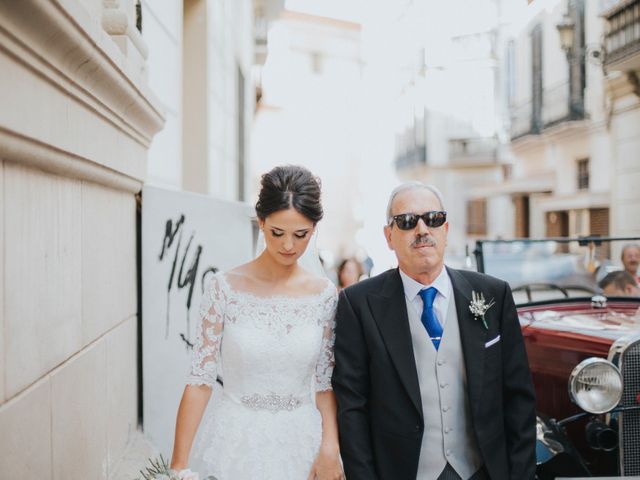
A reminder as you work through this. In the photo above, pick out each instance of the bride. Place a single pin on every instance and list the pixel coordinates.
(270, 325)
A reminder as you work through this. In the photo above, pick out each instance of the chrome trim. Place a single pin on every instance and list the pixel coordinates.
(621, 344)
(581, 366)
(598, 301)
(616, 353)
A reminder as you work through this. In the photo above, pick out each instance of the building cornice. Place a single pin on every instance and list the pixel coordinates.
(569, 130)
(62, 46)
(576, 201)
(48, 158)
(620, 85)
(60, 41)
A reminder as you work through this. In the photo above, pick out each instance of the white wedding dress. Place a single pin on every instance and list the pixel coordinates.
(273, 354)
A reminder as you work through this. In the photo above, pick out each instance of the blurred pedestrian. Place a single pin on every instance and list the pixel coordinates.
(620, 284)
(349, 272)
(631, 259)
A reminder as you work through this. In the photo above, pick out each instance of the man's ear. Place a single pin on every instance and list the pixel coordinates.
(387, 235)
(446, 233)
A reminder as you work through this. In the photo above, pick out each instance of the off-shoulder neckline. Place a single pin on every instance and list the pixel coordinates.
(276, 297)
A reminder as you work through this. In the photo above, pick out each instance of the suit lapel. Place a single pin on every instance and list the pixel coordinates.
(389, 310)
(473, 336)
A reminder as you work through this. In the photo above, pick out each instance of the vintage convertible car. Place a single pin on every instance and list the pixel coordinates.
(583, 349)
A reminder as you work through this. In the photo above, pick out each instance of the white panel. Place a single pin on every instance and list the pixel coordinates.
(42, 259)
(108, 259)
(168, 13)
(626, 124)
(165, 56)
(170, 312)
(628, 159)
(79, 416)
(164, 162)
(162, 29)
(25, 442)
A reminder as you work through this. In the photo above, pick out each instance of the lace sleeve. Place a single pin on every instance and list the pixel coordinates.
(206, 350)
(326, 361)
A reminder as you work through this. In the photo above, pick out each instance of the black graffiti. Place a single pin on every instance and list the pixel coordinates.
(208, 271)
(170, 234)
(186, 341)
(186, 275)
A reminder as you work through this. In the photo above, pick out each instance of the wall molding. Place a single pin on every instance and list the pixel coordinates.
(18, 148)
(64, 46)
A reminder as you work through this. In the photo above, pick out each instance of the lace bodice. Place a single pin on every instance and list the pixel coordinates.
(264, 346)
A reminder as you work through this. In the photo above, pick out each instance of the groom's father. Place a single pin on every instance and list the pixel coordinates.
(431, 374)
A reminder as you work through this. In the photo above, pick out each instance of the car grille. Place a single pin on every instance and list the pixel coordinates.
(630, 421)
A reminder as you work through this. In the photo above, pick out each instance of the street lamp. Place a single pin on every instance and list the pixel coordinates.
(575, 59)
(572, 42)
(593, 53)
(566, 29)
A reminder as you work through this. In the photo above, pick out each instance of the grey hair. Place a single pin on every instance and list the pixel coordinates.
(629, 246)
(413, 185)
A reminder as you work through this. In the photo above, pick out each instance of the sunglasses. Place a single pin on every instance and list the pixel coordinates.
(408, 221)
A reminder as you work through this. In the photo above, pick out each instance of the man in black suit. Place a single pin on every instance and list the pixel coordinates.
(431, 376)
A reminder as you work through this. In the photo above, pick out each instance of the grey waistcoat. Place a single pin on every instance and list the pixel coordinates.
(448, 432)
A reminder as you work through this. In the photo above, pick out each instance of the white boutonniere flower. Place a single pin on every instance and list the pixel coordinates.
(479, 306)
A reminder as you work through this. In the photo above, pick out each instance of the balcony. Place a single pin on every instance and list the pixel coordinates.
(622, 38)
(522, 120)
(557, 106)
(412, 157)
(473, 151)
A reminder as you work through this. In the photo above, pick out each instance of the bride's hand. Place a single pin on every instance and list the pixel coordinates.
(327, 465)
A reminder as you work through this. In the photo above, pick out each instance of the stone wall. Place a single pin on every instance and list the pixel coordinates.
(76, 123)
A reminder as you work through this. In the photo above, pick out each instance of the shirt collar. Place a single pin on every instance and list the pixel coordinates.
(412, 287)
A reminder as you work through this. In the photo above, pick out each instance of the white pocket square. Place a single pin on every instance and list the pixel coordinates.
(493, 341)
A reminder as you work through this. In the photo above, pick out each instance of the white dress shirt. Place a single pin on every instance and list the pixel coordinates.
(442, 283)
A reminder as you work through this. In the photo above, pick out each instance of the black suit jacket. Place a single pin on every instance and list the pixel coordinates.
(375, 380)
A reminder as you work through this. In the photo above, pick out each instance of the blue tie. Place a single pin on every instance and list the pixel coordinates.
(429, 320)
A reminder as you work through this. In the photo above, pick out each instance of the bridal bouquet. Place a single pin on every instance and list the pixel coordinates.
(159, 470)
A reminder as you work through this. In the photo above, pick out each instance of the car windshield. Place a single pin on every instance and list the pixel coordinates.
(552, 268)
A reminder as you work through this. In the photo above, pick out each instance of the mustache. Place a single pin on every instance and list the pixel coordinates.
(424, 240)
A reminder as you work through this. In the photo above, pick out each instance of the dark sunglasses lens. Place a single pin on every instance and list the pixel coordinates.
(435, 219)
(407, 221)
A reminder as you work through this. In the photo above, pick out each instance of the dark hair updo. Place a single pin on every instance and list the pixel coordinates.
(286, 187)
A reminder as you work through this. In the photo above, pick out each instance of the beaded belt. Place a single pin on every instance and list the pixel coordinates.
(272, 402)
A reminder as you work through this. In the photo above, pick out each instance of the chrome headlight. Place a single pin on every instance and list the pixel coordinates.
(595, 385)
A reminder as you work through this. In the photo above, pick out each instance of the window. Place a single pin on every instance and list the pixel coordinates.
(477, 217)
(577, 78)
(510, 76)
(521, 206)
(583, 174)
(536, 78)
(507, 171)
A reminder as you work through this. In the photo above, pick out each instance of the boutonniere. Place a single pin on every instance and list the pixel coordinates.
(479, 306)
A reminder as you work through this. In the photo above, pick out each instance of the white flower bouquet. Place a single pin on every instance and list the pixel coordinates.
(159, 470)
